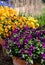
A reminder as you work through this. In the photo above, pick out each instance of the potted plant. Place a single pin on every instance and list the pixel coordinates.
(26, 46)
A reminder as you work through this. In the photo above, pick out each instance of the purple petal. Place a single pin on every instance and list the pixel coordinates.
(29, 53)
(43, 56)
(43, 45)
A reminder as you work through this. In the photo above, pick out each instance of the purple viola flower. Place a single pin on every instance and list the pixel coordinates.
(17, 38)
(25, 41)
(43, 56)
(15, 31)
(29, 53)
(6, 43)
(33, 30)
(31, 48)
(38, 34)
(23, 51)
(38, 40)
(29, 36)
(18, 44)
(43, 44)
(22, 35)
(42, 39)
(44, 32)
(12, 39)
(25, 28)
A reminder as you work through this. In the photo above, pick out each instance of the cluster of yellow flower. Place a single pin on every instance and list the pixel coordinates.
(9, 21)
(7, 12)
(6, 16)
(24, 21)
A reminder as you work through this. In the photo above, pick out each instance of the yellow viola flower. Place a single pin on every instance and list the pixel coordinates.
(6, 34)
(7, 13)
(1, 25)
(4, 14)
(6, 8)
(6, 27)
(15, 17)
(37, 25)
(32, 25)
(1, 30)
(8, 22)
(0, 13)
(6, 30)
(35, 21)
(28, 23)
(16, 23)
(30, 18)
(9, 26)
(11, 14)
(2, 17)
(11, 10)
(15, 12)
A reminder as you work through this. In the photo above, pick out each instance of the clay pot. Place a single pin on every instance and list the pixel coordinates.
(18, 61)
(2, 42)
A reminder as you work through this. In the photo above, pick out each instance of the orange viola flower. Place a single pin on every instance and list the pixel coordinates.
(6, 34)
(13, 27)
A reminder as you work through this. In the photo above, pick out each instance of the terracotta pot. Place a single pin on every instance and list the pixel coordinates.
(2, 42)
(17, 61)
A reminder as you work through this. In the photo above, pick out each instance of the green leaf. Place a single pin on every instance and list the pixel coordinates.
(24, 55)
(26, 46)
(11, 43)
(21, 40)
(30, 60)
(15, 35)
(30, 42)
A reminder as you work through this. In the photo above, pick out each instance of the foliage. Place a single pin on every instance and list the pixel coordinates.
(41, 18)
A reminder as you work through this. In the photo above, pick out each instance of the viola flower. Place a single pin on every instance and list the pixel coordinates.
(43, 56)
(38, 40)
(18, 44)
(29, 53)
(22, 51)
(17, 38)
(29, 36)
(6, 43)
(25, 27)
(33, 30)
(44, 32)
(15, 31)
(43, 44)
(32, 48)
(12, 39)
(42, 39)
(38, 34)
(25, 41)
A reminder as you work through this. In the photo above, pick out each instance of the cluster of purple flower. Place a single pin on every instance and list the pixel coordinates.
(27, 43)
